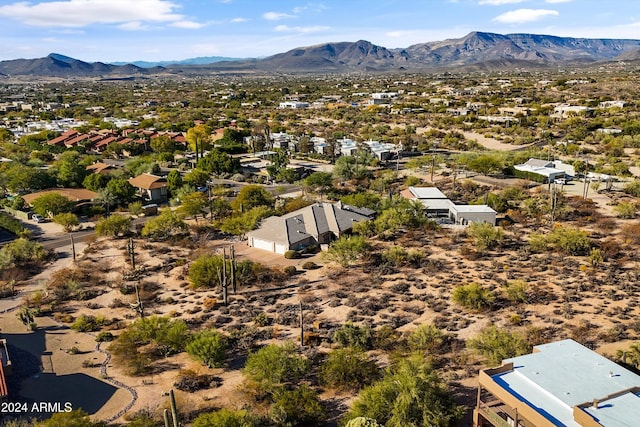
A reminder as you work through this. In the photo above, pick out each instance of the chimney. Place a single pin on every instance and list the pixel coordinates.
(595, 403)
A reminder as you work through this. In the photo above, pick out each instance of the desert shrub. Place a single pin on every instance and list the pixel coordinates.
(632, 188)
(21, 252)
(516, 291)
(351, 335)
(290, 270)
(105, 336)
(348, 369)
(67, 220)
(191, 382)
(206, 271)
(485, 236)
(538, 242)
(310, 265)
(571, 241)
(298, 407)
(362, 422)
(147, 339)
(595, 257)
(347, 249)
(227, 418)
(114, 225)
(209, 347)
(11, 224)
(292, 255)
(86, 323)
(473, 296)
(396, 255)
(74, 418)
(497, 344)
(625, 210)
(166, 225)
(409, 394)
(426, 337)
(272, 367)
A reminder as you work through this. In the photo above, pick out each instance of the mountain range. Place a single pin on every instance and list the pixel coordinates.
(475, 51)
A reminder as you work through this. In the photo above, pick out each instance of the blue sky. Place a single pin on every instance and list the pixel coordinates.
(128, 30)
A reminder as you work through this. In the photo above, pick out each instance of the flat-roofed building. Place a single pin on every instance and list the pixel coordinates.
(560, 384)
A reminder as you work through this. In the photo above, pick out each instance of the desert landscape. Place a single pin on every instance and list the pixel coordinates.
(542, 296)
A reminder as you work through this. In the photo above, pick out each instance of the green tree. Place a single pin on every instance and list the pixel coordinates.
(51, 204)
(273, 366)
(69, 169)
(251, 196)
(348, 369)
(496, 344)
(209, 347)
(196, 177)
(198, 138)
(219, 162)
(95, 182)
(298, 407)
(227, 418)
(319, 182)
(107, 198)
(347, 249)
(409, 395)
(473, 296)
(122, 190)
(174, 181)
(240, 224)
(193, 205)
(162, 144)
(16, 177)
(167, 224)
(67, 220)
(113, 225)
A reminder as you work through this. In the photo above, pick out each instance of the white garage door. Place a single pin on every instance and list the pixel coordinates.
(263, 244)
(281, 249)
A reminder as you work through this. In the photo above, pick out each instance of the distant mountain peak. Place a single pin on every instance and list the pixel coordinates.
(60, 57)
(477, 50)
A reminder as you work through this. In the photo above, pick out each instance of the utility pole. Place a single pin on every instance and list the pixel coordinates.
(73, 246)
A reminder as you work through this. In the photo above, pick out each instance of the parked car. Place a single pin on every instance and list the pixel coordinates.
(38, 218)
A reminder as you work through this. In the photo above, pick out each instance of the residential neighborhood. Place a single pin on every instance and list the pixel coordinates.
(245, 246)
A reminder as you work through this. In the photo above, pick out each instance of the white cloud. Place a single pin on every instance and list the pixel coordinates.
(189, 25)
(276, 16)
(303, 30)
(499, 2)
(133, 26)
(524, 15)
(235, 20)
(80, 13)
(558, 1)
